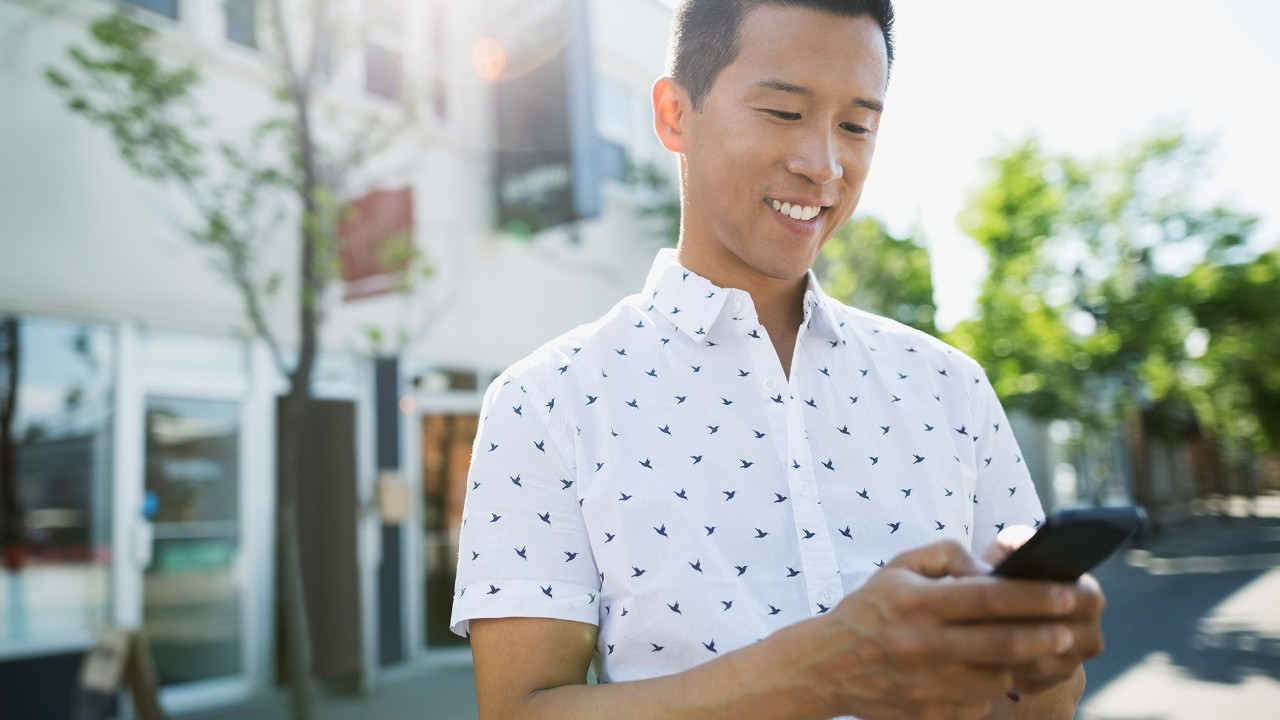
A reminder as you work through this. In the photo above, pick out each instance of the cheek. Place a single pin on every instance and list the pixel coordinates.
(858, 161)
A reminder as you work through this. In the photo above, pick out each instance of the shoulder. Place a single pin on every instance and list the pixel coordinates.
(568, 356)
(885, 334)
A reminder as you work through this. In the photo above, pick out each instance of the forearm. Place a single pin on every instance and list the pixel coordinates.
(754, 683)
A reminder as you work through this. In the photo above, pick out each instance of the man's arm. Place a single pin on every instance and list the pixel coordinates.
(918, 641)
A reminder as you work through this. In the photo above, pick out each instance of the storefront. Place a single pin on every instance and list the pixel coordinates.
(137, 471)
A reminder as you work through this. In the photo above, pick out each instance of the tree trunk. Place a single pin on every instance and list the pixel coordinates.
(12, 530)
(311, 287)
(297, 637)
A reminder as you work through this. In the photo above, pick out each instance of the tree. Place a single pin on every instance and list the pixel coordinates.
(12, 521)
(864, 266)
(1112, 287)
(239, 193)
(1019, 336)
(1238, 380)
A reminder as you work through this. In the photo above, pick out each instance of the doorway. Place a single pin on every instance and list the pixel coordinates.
(446, 456)
(193, 597)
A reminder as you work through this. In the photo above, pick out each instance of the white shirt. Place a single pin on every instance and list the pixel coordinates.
(656, 474)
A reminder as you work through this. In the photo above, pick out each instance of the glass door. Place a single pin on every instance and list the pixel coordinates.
(446, 456)
(192, 595)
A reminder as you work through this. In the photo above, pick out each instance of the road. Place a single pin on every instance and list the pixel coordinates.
(1193, 624)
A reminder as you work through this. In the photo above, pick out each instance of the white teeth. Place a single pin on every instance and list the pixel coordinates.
(797, 212)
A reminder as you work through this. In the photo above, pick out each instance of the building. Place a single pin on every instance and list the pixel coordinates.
(139, 410)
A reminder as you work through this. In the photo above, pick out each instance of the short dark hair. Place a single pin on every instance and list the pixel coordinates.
(704, 34)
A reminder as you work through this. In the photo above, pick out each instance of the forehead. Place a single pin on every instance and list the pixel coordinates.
(821, 51)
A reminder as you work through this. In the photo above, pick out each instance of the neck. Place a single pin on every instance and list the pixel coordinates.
(779, 303)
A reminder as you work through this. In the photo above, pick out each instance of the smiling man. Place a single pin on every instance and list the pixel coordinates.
(734, 496)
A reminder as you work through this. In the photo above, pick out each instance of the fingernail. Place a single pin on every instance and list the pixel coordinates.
(1062, 639)
(1064, 600)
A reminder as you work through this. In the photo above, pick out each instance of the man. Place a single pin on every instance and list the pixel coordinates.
(734, 496)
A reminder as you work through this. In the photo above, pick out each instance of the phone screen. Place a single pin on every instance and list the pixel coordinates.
(1070, 543)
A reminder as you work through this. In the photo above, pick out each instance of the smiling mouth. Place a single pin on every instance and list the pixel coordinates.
(803, 213)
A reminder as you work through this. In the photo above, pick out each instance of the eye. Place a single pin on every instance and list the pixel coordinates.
(855, 129)
(783, 115)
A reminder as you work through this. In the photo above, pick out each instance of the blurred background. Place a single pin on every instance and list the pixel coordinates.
(260, 259)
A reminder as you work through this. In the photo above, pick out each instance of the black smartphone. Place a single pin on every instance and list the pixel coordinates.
(1070, 543)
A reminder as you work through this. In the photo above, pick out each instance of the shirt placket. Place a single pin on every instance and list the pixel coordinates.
(817, 553)
(818, 562)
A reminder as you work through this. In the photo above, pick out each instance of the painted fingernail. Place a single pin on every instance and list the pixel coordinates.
(1013, 696)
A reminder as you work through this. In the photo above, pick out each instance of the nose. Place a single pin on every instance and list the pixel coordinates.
(817, 158)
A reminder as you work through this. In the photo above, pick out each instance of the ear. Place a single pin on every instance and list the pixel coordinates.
(671, 108)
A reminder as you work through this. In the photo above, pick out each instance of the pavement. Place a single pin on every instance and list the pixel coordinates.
(1193, 623)
(435, 693)
(1192, 628)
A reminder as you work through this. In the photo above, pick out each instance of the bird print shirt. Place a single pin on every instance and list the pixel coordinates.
(656, 473)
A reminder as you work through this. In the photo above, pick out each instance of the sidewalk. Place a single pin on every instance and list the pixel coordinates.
(434, 694)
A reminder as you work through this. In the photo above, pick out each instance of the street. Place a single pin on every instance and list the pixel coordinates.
(1193, 624)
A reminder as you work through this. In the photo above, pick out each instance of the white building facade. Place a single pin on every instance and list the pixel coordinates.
(140, 411)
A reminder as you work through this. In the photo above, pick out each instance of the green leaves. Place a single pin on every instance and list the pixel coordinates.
(1102, 269)
(147, 108)
(866, 267)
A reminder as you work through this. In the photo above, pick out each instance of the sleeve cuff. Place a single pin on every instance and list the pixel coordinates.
(524, 598)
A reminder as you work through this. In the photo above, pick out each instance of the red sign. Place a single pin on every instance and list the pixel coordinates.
(377, 236)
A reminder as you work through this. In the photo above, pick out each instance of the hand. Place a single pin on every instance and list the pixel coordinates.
(931, 635)
(1084, 623)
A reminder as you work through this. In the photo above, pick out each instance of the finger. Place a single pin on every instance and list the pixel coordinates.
(960, 683)
(998, 644)
(988, 598)
(942, 559)
(1041, 675)
(1090, 602)
(1087, 642)
(1090, 583)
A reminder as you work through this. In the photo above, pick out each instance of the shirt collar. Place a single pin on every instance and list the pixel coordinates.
(694, 304)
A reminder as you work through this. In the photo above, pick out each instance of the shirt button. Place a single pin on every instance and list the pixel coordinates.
(804, 488)
(826, 597)
(770, 385)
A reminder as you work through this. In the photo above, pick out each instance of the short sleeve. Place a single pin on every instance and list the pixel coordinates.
(523, 550)
(1004, 493)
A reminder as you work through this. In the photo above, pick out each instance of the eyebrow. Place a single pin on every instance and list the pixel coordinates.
(786, 87)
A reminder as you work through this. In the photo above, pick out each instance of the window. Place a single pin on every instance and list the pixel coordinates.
(167, 8)
(324, 50)
(242, 22)
(383, 71)
(439, 67)
(384, 48)
(615, 123)
(56, 387)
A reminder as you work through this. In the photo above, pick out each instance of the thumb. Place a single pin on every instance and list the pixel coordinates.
(941, 559)
(1009, 539)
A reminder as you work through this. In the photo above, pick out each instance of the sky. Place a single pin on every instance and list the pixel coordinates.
(1086, 77)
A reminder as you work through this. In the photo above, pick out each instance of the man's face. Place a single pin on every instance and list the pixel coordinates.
(776, 158)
